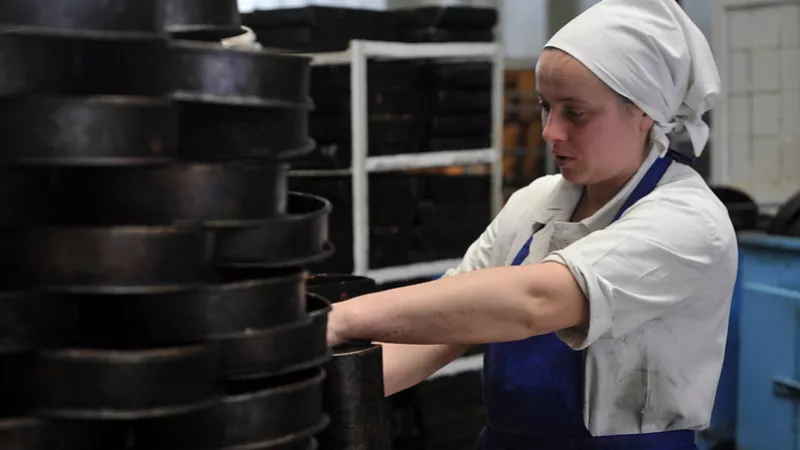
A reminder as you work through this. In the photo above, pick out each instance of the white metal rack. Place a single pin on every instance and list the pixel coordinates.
(357, 55)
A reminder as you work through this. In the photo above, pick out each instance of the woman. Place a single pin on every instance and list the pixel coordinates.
(604, 291)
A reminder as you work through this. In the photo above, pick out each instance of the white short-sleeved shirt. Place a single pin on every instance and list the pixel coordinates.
(659, 282)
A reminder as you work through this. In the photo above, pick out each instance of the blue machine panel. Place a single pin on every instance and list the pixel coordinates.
(769, 347)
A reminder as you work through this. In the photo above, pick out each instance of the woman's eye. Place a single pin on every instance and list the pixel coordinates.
(574, 114)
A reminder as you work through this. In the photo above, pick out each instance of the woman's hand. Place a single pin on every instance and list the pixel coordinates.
(333, 336)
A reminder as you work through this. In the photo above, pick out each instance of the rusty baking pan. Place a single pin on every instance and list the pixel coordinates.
(225, 132)
(295, 239)
(33, 320)
(210, 73)
(237, 302)
(120, 19)
(183, 193)
(195, 430)
(338, 287)
(104, 259)
(270, 415)
(132, 384)
(354, 400)
(20, 433)
(202, 20)
(276, 351)
(101, 130)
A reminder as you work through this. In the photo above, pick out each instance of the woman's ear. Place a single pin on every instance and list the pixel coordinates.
(645, 123)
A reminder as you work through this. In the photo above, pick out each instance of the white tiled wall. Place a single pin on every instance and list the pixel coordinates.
(763, 98)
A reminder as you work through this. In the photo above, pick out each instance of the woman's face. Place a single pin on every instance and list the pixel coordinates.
(595, 135)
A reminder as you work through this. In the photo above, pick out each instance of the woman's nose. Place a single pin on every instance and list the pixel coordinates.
(554, 129)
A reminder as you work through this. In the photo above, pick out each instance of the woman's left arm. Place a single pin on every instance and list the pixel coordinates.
(490, 305)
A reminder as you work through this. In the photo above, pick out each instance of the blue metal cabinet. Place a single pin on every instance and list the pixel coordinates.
(769, 347)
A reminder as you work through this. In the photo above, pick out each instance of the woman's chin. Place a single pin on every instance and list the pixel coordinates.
(573, 176)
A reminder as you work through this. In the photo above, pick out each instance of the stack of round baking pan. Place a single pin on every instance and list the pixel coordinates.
(153, 292)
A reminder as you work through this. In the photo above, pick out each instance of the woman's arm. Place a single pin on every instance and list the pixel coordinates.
(490, 305)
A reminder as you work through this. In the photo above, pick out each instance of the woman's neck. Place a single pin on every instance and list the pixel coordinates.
(595, 196)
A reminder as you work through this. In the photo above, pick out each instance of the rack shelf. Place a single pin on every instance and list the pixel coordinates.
(357, 56)
(401, 50)
(407, 161)
(419, 270)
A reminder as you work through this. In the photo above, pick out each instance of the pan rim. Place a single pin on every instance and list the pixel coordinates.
(133, 356)
(110, 99)
(296, 437)
(127, 414)
(304, 383)
(82, 33)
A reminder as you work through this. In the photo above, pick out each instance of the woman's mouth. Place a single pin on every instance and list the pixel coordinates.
(561, 160)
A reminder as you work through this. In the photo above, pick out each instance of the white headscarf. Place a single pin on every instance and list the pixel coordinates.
(652, 53)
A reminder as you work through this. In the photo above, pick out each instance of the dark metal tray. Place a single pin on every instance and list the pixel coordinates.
(33, 320)
(461, 125)
(135, 384)
(16, 386)
(202, 19)
(104, 259)
(209, 132)
(185, 193)
(239, 302)
(33, 64)
(454, 18)
(195, 430)
(25, 195)
(274, 415)
(209, 73)
(295, 239)
(436, 35)
(278, 351)
(101, 130)
(120, 19)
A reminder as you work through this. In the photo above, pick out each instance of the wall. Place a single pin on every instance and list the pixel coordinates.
(757, 124)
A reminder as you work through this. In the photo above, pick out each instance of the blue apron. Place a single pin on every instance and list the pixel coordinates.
(533, 388)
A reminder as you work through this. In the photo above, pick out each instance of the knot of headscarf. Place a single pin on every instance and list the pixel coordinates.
(650, 52)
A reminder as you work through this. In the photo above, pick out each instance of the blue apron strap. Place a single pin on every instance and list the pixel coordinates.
(650, 180)
(645, 186)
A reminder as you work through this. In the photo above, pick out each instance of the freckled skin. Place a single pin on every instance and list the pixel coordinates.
(585, 120)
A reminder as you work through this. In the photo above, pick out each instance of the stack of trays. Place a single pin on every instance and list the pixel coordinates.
(446, 24)
(153, 291)
(393, 208)
(460, 111)
(319, 28)
(395, 105)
